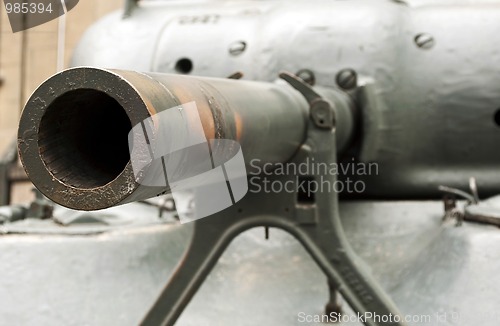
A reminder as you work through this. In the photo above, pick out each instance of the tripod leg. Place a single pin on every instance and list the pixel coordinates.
(208, 243)
(328, 245)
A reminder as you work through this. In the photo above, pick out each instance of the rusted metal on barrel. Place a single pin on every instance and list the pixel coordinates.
(73, 134)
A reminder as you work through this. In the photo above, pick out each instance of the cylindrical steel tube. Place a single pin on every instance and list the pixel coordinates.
(74, 129)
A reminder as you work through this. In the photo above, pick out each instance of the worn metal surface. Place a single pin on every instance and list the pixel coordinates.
(73, 136)
(433, 120)
(114, 277)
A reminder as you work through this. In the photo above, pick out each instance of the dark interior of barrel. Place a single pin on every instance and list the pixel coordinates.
(83, 138)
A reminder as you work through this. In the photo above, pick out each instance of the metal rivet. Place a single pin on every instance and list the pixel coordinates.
(237, 48)
(347, 79)
(307, 76)
(424, 41)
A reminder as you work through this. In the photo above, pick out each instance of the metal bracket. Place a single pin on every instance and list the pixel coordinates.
(474, 210)
(315, 224)
(321, 110)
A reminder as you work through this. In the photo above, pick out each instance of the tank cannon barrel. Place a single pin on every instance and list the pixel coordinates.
(74, 131)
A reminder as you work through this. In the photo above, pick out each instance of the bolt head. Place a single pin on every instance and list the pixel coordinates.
(307, 76)
(237, 48)
(347, 79)
(424, 41)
